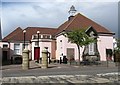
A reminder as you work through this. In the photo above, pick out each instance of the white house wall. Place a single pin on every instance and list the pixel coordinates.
(62, 47)
(11, 49)
(33, 45)
(104, 42)
(41, 45)
(11, 45)
(2, 43)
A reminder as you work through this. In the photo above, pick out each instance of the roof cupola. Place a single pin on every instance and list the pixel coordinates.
(71, 12)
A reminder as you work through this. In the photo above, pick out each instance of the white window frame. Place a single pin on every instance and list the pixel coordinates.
(91, 49)
(36, 43)
(26, 46)
(5, 45)
(17, 49)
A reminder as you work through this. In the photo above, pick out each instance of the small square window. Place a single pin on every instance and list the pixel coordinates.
(5, 46)
(36, 43)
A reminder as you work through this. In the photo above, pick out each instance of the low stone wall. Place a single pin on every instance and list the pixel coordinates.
(99, 78)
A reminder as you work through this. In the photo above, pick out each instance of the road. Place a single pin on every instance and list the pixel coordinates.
(57, 69)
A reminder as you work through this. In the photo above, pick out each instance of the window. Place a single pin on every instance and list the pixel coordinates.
(91, 49)
(46, 48)
(17, 48)
(26, 46)
(36, 43)
(46, 36)
(5, 46)
(36, 36)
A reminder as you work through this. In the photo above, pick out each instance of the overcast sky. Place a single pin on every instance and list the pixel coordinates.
(49, 13)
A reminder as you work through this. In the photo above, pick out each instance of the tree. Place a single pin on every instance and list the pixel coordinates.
(80, 38)
(117, 49)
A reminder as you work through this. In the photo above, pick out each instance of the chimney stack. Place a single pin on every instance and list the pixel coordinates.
(70, 18)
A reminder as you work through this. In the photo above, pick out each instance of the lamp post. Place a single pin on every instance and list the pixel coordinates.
(24, 32)
(38, 32)
(25, 55)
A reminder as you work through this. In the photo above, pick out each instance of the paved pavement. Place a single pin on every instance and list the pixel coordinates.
(66, 79)
(56, 69)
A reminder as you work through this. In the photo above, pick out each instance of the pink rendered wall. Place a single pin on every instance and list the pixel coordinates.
(104, 42)
(62, 47)
(45, 44)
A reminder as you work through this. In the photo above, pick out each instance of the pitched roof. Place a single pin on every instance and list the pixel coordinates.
(18, 36)
(43, 30)
(9, 36)
(79, 21)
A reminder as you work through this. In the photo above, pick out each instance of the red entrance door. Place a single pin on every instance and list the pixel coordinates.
(36, 53)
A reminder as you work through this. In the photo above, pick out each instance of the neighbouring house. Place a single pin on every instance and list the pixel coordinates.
(56, 43)
(13, 44)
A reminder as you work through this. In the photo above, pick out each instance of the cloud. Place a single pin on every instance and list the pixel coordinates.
(52, 14)
(0, 9)
(60, 0)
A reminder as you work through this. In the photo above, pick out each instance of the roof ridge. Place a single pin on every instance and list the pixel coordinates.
(71, 21)
(14, 33)
(94, 22)
(42, 27)
(62, 24)
(90, 20)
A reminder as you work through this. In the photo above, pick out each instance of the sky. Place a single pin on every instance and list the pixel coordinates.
(119, 20)
(49, 13)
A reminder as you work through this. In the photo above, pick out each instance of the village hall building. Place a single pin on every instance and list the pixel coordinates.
(38, 38)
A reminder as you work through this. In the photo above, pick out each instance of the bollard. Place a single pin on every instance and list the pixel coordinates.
(60, 60)
(25, 59)
(45, 59)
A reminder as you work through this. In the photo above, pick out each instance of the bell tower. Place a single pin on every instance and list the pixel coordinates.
(71, 12)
